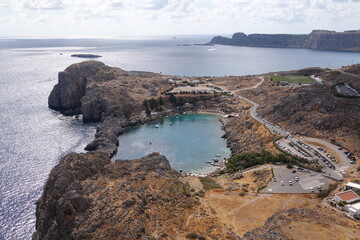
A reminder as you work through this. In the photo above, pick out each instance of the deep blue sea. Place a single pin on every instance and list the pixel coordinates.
(33, 137)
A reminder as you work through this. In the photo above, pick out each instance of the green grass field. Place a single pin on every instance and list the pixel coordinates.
(293, 79)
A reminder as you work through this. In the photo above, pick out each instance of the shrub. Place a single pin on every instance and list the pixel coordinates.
(192, 235)
(241, 194)
(326, 192)
(246, 160)
(209, 183)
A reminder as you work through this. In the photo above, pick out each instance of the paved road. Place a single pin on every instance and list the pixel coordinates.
(273, 128)
(351, 74)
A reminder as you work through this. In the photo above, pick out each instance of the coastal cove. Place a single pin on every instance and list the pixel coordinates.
(187, 140)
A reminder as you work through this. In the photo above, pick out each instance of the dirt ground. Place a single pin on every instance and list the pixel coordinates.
(239, 207)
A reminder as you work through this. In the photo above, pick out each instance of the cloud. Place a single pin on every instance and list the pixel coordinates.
(181, 15)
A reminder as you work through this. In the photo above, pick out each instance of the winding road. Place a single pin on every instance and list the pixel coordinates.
(275, 129)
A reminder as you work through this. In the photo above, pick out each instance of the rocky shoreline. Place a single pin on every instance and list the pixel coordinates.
(89, 196)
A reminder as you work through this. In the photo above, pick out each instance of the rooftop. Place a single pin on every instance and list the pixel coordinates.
(354, 185)
(347, 195)
(355, 206)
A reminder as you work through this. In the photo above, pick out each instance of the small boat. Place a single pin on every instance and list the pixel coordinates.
(208, 161)
(157, 126)
(170, 123)
(217, 155)
(177, 116)
(215, 160)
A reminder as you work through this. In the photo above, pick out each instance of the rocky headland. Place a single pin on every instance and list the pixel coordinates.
(317, 39)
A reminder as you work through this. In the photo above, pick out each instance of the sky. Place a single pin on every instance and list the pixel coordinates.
(115, 18)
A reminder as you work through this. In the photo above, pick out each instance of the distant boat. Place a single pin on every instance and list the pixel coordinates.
(217, 155)
(177, 116)
(170, 123)
(215, 160)
(208, 161)
(157, 126)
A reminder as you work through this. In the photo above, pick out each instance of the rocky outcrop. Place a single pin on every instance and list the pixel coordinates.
(329, 40)
(262, 40)
(319, 40)
(63, 195)
(107, 95)
(67, 93)
(88, 197)
(85, 55)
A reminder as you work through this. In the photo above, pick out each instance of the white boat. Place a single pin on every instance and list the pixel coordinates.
(217, 155)
(215, 160)
(157, 126)
(208, 161)
(170, 123)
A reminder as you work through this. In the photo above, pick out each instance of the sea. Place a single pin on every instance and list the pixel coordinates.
(34, 138)
(189, 141)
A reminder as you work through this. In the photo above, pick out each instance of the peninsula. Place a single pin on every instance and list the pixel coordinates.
(317, 39)
(289, 132)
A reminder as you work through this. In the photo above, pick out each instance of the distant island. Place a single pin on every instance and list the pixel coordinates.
(317, 39)
(86, 55)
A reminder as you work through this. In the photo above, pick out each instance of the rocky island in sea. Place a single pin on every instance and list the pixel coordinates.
(87, 196)
(86, 55)
(317, 39)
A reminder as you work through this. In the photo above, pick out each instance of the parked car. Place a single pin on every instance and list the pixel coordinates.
(319, 188)
(312, 189)
(282, 183)
(290, 183)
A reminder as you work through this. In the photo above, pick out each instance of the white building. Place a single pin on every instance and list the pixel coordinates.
(354, 209)
(352, 186)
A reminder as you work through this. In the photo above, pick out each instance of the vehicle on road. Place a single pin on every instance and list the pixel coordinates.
(296, 178)
(312, 189)
(282, 183)
(290, 183)
(319, 188)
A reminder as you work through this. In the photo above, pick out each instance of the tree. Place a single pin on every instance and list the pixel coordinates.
(153, 104)
(147, 110)
(161, 101)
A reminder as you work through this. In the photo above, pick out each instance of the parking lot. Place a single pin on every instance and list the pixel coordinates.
(347, 90)
(306, 180)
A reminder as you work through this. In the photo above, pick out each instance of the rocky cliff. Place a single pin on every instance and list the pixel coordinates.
(104, 94)
(319, 40)
(88, 197)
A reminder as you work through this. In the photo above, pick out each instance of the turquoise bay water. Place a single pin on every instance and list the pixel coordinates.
(188, 143)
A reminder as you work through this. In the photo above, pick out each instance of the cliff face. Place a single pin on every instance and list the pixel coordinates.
(319, 40)
(67, 93)
(262, 40)
(88, 197)
(104, 94)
